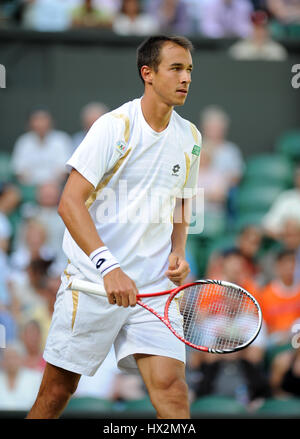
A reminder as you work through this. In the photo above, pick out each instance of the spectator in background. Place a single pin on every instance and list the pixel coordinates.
(235, 269)
(35, 295)
(47, 15)
(226, 156)
(259, 45)
(7, 301)
(88, 115)
(31, 337)
(194, 11)
(110, 6)
(248, 242)
(9, 198)
(285, 11)
(280, 299)
(43, 214)
(10, 11)
(244, 251)
(110, 383)
(88, 15)
(40, 154)
(225, 18)
(215, 189)
(239, 375)
(171, 15)
(289, 238)
(5, 233)
(285, 373)
(32, 245)
(131, 20)
(287, 205)
(18, 384)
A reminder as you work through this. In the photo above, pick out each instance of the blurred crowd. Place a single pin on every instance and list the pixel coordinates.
(262, 256)
(208, 18)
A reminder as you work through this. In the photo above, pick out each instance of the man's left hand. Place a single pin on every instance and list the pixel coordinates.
(178, 268)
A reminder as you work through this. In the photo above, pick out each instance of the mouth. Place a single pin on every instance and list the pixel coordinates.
(182, 92)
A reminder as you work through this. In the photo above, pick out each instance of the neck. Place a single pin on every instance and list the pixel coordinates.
(156, 114)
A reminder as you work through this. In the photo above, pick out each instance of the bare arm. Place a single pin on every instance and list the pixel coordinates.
(78, 221)
(76, 216)
(178, 266)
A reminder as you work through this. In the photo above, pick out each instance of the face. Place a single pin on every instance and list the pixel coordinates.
(214, 128)
(286, 268)
(170, 84)
(234, 268)
(250, 241)
(40, 123)
(291, 234)
(48, 195)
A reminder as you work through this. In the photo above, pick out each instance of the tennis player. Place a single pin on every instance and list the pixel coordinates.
(124, 207)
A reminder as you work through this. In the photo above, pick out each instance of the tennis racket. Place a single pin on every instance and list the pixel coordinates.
(218, 316)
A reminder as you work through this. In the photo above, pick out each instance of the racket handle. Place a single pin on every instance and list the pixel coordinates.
(87, 287)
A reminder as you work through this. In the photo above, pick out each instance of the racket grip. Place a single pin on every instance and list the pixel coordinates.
(87, 287)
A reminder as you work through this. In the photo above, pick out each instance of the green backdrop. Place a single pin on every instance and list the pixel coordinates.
(66, 70)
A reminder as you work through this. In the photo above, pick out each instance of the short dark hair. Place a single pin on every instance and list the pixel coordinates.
(148, 53)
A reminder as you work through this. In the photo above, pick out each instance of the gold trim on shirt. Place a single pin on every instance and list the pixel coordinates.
(127, 125)
(105, 182)
(194, 132)
(188, 167)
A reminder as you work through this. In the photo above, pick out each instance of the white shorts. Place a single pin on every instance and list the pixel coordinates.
(85, 326)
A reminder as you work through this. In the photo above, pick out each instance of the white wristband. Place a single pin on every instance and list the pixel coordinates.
(104, 260)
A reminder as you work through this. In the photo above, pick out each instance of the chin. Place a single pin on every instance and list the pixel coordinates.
(179, 102)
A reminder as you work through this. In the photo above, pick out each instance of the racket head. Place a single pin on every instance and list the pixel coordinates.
(218, 316)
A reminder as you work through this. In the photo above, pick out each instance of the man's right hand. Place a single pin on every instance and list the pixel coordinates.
(120, 289)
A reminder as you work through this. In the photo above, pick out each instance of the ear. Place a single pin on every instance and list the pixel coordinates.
(147, 74)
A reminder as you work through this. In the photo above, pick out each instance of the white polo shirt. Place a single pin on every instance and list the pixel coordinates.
(137, 174)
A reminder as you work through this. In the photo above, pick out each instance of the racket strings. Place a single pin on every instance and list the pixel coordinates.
(217, 317)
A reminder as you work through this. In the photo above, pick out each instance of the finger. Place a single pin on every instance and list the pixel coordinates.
(132, 297)
(111, 299)
(178, 272)
(179, 276)
(118, 299)
(173, 272)
(173, 262)
(125, 299)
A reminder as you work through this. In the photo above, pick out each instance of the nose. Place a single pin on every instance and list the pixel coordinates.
(186, 77)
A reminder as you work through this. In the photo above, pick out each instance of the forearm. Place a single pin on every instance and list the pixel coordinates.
(75, 214)
(181, 220)
(79, 223)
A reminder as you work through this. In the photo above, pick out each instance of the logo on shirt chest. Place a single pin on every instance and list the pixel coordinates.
(121, 147)
(175, 170)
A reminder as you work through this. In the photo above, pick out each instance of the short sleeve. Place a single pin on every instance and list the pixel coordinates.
(97, 153)
(190, 187)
